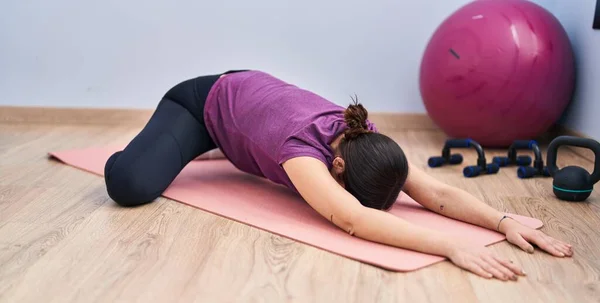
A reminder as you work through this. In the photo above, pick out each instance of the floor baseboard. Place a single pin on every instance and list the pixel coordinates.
(83, 116)
(139, 117)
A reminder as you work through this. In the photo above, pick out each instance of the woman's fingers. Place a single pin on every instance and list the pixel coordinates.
(502, 266)
(511, 266)
(559, 241)
(546, 243)
(485, 264)
(507, 271)
(476, 269)
(519, 241)
(561, 246)
(566, 250)
(493, 270)
(513, 269)
(553, 246)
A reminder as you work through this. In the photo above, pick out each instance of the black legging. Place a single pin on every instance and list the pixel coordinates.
(174, 136)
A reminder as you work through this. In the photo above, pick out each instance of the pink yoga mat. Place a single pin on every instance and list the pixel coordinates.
(216, 186)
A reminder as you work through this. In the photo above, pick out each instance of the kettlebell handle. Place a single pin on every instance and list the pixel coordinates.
(577, 142)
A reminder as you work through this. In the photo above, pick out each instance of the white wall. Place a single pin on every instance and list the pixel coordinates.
(128, 53)
(577, 18)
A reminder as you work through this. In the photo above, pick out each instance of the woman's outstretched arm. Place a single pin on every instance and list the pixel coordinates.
(314, 182)
(458, 204)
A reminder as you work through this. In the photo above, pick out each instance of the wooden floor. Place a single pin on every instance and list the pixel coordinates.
(63, 240)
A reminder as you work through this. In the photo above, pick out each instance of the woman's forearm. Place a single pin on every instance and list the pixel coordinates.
(450, 201)
(383, 227)
(458, 204)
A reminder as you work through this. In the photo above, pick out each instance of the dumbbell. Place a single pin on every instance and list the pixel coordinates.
(538, 168)
(524, 171)
(447, 158)
(482, 166)
(513, 158)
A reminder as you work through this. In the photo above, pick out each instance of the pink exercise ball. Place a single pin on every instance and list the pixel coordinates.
(497, 71)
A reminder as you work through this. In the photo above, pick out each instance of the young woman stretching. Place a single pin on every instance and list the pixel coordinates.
(332, 156)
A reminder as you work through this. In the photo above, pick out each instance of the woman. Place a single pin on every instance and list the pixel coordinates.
(333, 157)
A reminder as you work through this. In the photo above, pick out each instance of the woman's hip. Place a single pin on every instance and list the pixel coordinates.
(192, 93)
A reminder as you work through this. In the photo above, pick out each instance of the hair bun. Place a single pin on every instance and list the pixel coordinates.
(356, 119)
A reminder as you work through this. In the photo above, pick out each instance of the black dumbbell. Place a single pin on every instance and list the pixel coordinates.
(538, 168)
(447, 158)
(513, 158)
(524, 171)
(482, 166)
(470, 171)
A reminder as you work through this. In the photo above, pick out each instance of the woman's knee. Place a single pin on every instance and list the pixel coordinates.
(125, 186)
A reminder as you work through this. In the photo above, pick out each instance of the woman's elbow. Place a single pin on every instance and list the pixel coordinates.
(346, 220)
(343, 223)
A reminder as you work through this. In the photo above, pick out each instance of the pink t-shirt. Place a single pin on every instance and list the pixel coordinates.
(259, 121)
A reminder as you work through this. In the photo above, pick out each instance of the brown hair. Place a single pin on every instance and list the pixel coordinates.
(375, 165)
(356, 118)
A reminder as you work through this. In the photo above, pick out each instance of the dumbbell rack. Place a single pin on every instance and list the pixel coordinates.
(482, 167)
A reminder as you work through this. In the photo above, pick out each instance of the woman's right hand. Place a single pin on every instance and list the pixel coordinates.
(484, 263)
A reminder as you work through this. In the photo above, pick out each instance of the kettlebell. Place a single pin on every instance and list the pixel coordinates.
(573, 183)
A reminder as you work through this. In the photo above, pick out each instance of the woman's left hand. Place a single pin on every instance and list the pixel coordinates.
(523, 237)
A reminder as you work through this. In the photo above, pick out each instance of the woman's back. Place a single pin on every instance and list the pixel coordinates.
(260, 121)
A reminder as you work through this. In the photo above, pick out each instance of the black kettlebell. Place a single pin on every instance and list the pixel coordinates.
(573, 183)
